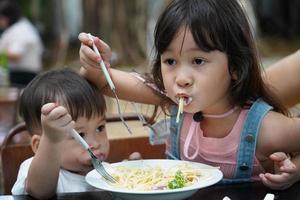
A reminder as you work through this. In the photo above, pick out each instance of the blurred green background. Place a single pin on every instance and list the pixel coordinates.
(127, 26)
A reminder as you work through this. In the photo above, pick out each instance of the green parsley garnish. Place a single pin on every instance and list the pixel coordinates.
(178, 182)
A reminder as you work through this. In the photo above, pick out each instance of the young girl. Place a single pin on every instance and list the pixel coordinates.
(51, 105)
(207, 57)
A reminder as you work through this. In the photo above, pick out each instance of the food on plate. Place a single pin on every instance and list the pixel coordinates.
(147, 178)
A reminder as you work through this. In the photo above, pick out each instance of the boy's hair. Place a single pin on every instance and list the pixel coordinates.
(216, 25)
(65, 87)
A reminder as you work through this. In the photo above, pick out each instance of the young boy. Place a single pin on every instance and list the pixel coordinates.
(52, 104)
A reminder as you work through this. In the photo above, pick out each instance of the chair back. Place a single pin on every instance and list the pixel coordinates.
(121, 148)
(13, 153)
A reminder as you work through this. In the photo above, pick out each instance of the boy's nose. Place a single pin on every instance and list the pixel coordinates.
(93, 143)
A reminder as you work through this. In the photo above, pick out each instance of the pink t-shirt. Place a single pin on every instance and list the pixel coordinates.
(219, 152)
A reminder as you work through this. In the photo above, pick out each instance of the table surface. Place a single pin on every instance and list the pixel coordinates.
(245, 191)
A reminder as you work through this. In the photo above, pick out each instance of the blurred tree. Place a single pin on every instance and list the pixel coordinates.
(122, 24)
(278, 17)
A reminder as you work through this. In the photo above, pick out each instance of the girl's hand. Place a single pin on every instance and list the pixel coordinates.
(56, 122)
(286, 172)
(90, 60)
(88, 57)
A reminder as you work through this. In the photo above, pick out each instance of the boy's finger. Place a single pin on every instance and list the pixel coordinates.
(65, 120)
(57, 113)
(47, 108)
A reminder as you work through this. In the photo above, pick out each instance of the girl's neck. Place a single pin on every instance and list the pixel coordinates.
(219, 126)
(223, 115)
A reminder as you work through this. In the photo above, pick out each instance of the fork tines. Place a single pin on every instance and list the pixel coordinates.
(100, 168)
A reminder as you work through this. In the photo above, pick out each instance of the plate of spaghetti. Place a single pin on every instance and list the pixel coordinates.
(156, 179)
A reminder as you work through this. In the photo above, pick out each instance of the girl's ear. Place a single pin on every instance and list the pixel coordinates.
(35, 141)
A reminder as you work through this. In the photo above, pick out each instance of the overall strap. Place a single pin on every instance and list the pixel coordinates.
(248, 139)
(175, 128)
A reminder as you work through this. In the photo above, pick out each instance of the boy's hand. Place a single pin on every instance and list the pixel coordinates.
(87, 55)
(56, 122)
(286, 172)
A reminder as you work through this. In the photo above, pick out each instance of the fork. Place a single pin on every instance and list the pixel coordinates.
(110, 83)
(95, 161)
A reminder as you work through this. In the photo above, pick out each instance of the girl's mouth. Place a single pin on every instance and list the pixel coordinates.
(186, 100)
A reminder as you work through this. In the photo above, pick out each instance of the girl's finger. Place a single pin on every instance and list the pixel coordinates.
(271, 184)
(88, 53)
(278, 156)
(83, 37)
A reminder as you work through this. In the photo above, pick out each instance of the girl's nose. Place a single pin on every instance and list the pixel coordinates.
(184, 79)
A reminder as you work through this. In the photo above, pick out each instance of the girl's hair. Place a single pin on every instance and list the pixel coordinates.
(65, 87)
(216, 25)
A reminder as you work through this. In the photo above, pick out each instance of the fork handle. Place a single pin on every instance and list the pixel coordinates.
(102, 65)
(79, 139)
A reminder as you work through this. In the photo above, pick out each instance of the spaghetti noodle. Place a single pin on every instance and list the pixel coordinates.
(180, 109)
(154, 177)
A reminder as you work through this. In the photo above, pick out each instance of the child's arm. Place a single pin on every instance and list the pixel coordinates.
(286, 172)
(44, 170)
(128, 87)
(283, 76)
(278, 133)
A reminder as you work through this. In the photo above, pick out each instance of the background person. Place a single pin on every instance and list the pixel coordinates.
(21, 43)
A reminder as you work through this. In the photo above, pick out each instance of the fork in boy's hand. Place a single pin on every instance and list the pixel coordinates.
(95, 161)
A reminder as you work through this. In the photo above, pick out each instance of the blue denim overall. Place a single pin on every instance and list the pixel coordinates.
(248, 139)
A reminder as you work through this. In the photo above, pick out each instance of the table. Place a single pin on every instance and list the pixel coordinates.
(245, 191)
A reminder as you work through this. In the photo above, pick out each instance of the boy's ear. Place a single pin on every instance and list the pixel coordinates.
(35, 141)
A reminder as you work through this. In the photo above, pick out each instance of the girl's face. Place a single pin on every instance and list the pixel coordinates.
(75, 158)
(201, 78)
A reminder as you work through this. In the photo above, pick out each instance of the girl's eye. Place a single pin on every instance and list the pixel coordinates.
(100, 129)
(170, 62)
(198, 61)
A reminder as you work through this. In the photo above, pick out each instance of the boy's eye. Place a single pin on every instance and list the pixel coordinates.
(81, 134)
(198, 61)
(170, 62)
(100, 128)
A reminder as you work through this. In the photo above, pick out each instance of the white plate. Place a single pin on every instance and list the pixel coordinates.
(210, 176)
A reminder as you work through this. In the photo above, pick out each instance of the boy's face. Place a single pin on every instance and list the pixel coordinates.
(74, 157)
